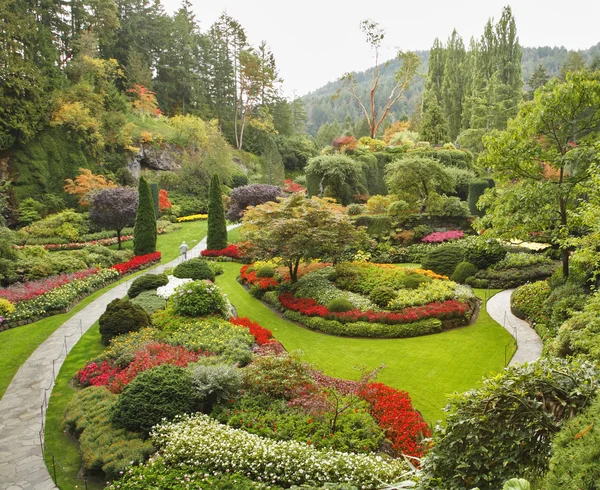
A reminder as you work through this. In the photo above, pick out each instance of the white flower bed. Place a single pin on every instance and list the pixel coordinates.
(199, 440)
(174, 282)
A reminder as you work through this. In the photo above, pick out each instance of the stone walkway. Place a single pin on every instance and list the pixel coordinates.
(529, 344)
(22, 408)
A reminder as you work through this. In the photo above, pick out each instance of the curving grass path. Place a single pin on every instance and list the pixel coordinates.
(429, 367)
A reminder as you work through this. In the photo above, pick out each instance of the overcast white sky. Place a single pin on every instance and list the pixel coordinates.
(315, 42)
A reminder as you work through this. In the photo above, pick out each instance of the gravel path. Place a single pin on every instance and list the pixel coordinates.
(529, 344)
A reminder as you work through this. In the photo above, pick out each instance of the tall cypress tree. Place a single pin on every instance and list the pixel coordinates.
(216, 238)
(144, 231)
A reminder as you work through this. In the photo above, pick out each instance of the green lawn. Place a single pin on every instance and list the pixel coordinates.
(429, 367)
(20, 342)
(233, 236)
(191, 231)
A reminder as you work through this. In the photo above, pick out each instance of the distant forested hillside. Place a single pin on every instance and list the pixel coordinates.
(323, 106)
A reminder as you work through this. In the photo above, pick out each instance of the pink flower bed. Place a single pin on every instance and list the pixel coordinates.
(33, 289)
(443, 236)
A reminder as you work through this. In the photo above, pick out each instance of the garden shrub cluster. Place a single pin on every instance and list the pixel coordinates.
(505, 427)
(510, 278)
(103, 446)
(527, 301)
(149, 301)
(200, 298)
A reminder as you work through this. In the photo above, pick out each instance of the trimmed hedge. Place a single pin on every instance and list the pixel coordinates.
(443, 259)
(510, 278)
(122, 316)
(196, 269)
(147, 282)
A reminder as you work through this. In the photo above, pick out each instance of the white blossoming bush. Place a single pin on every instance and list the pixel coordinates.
(199, 440)
(174, 282)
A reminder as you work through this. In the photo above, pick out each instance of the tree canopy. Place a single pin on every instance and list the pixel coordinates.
(298, 229)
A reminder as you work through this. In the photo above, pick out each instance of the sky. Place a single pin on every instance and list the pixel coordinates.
(315, 42)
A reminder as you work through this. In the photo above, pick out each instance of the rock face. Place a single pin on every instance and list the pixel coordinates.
(167, 157)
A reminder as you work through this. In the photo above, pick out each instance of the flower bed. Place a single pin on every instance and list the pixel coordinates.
(443, 236)
(148, 356)
(138, 262)
(394, 412)
(223, 449)
(192, 217)
(263, 283)
(38, 299)
(61, 298)
(232, 251)
(262, 335)
(441, 310)
(32, 289)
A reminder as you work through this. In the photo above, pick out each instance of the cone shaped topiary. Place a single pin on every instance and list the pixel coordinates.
(144, 231)
(216, 238)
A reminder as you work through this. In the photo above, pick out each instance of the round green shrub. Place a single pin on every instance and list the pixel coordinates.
(196, 269)
(354, 209)
(161, 392)
(463, 270)
(265, 271)
(122, 316)
(382, 295)
(199, 298)
(483, 252)
(413, 281)
(147, 282)
(339, 305)
(443, 259)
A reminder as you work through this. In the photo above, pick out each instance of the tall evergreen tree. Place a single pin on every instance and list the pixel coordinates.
(538, 79)
(273, 171)
(574, 62)
(435, 71)
(144, 231)
(216, 237)
(453, 84)
(434, 127)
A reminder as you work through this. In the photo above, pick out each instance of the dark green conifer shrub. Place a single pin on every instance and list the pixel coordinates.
(196, 269)
(216, 238)
(144, 231)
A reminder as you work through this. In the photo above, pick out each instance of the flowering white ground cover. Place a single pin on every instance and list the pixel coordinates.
(200, 440)
(174, 282)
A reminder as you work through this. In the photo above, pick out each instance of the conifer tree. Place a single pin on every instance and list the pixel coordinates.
(538, 79)
(453, 84)
(216, 238)
(144, 231)
(434, 127)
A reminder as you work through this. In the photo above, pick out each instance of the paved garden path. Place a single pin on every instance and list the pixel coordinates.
(22, 408)
(529, 344)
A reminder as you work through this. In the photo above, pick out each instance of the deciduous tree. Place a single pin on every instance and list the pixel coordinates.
(85, 183)
(403, 77)
(114, 209)
(297, 229)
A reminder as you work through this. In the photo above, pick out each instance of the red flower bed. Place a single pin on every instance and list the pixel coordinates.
(292, 187)
(393, 410)
(262, 282)
(309, 307)
(137, 262)
(232, 251)
(33, 289)
(151, 355)
(261, 334)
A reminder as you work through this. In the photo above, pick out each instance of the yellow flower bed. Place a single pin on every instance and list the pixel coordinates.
(193, 217)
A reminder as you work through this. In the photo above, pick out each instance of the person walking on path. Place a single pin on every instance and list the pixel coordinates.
(183, 248)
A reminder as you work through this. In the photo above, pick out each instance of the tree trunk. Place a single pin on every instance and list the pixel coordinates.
(119, 239)
(565, 263)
